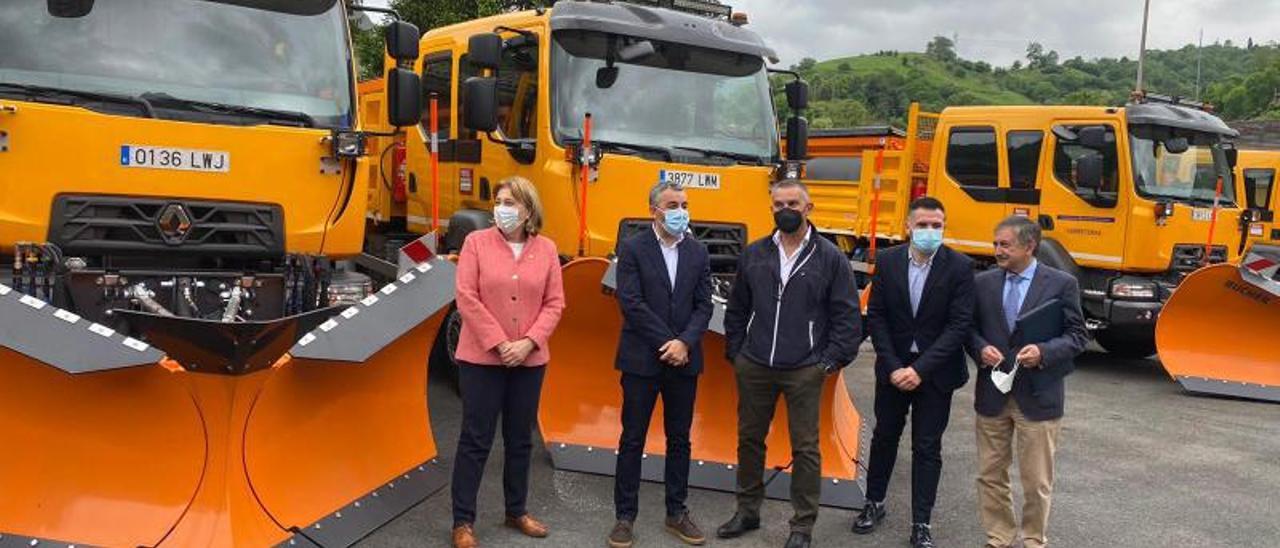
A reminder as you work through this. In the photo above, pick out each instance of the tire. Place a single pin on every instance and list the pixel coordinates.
(443, 366)
(1129, 347)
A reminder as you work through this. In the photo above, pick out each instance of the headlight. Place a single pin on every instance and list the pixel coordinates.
(348, 144)
(1131, 289)
(348, 288)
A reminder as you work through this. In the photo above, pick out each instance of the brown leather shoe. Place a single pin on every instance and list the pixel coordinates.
(621, 536)
(528, 526)
(464, 536)
(686, 530)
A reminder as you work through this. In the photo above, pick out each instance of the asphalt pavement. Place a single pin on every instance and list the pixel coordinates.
(1140, 463)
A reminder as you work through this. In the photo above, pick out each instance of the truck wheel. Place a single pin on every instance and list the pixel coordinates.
(1130, 347)
(444, 366)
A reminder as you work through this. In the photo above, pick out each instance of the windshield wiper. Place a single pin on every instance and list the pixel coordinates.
(735, 156)
(628, 148)
(290, 117)
(45, 92)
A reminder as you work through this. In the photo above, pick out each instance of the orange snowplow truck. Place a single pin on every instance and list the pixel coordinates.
(676, 92)
(1131, 199)
(184, 358)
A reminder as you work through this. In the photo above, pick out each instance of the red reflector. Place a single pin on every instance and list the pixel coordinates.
(417, 251)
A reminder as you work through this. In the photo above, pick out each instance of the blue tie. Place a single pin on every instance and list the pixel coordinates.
(1012, 300)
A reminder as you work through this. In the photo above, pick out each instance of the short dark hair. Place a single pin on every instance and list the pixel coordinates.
(1025, 230)
(925, 202)
(792, 183)
(659, 188)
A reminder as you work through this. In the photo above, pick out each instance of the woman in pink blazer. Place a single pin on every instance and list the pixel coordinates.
(510, 297)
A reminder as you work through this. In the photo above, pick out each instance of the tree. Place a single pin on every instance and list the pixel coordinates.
(806, 65)
(426, 14)
(942, 49)
(1038, 58)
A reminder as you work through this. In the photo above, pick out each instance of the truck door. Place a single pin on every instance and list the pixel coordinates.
(968, 183)
(1260, 195)
(437, 81)
(1089, 222)
(1024, 151)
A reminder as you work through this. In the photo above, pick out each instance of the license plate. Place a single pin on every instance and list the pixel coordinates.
(690, 179)
(181, 159)
(1201, 214)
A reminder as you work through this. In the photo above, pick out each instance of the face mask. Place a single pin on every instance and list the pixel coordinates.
(927, 240)
(788, 220)
(1002, 380)
(675, 221)
(506, 217)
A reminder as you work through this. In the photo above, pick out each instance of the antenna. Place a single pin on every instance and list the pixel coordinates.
(1142, 49)
(1199, 52)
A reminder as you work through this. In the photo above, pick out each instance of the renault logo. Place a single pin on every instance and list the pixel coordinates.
(174, 223)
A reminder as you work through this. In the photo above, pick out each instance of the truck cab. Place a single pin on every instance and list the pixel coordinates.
(681, 96)
(1130, 199)
(1256, 175)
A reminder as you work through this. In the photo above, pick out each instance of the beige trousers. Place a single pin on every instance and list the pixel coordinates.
(1036, 442)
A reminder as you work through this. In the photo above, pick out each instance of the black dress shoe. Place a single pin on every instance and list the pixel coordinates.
(798, 540)
(737, 526)
(870, 517)
(921, 536)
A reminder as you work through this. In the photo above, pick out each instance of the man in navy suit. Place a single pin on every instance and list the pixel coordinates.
(1031, 409)
(664, 289)
(919, 316)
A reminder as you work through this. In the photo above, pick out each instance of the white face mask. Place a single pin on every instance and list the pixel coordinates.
(1002, 380)
(506, 217)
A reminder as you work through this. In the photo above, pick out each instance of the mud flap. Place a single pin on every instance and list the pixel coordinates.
(580, 416)
(1216, 334)
(239, 448)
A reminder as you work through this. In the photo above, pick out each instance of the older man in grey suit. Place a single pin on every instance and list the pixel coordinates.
(1031, 410)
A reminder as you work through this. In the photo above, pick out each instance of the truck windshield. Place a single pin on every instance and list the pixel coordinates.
(1189, 176)
(231, 54)
(668, 95)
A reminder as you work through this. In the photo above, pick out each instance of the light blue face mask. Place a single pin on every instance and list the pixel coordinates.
(675, 221)
(926, 240)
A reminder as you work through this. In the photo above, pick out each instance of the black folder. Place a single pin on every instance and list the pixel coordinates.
(1041, 323)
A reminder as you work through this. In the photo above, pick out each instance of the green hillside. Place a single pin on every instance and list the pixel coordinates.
(1243, 82)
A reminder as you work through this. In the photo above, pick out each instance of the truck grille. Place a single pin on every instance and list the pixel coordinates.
(724, 241)
(1189, 257)
(96, 225)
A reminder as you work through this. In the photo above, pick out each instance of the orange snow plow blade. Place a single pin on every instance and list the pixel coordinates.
(310, 430)
(580, 414)
(1216, 334)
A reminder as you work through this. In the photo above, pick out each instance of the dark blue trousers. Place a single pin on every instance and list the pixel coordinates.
(489, 392)
(639, 395)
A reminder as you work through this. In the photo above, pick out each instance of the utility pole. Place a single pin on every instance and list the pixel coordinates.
(1199, 53)
(1142, 51)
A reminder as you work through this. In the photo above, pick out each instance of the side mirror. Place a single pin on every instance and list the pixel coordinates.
(484, 51)
(1089, 172)
(404, 97)
(402, 41)
(1176, 145)
(797, 96)
(1232, 153)
(797, 138)
(606, 77)
(1094, 137)
(480, 109)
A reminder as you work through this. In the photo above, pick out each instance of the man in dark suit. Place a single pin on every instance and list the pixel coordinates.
(664, 289)
(920, 315)
(1034, 412)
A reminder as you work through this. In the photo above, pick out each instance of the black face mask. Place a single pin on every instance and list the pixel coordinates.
(788, 220)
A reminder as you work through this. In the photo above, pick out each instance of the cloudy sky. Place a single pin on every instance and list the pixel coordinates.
(998, 31)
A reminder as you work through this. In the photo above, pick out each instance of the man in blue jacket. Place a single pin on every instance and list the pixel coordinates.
(919, 316)
(792, 319)
(664, 289)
